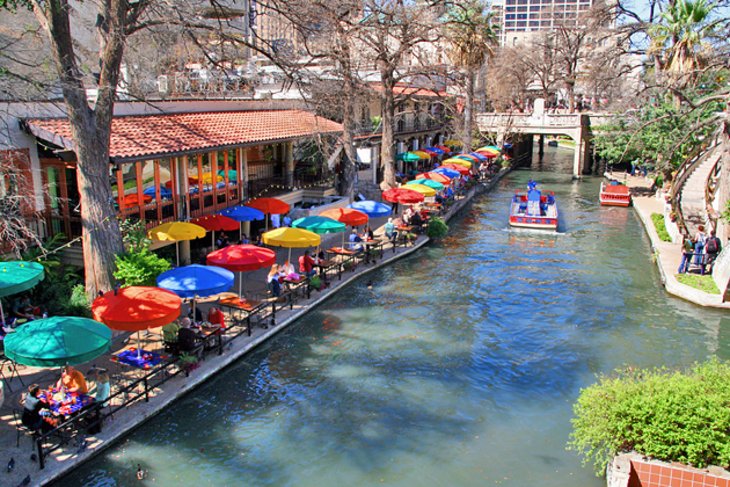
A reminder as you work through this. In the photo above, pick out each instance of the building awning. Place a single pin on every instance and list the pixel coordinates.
(153, 136)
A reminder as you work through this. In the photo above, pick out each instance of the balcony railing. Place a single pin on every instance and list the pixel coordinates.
(423, 124)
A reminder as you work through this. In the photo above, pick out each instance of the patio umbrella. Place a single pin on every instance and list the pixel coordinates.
(422, 154)
(232, 174)
(467, 157)
(165, 193)
(434, 176)
(446, 172)
(270, 206)
(402, 195)
(321, 225)
(133, 199)
(421, 188)
(241, 258)
(408, 157)
(457, 168)
(208, 178)
(196, 280)
(242, 213)
(447, 150)
(58, 341)
(489, 155)
(461, 162)
(17, 276)
(488, 148)
(136, 308)
(426, 182)
(453, 143)
(436, 150)
(373, 209)
(432, 153)
(480, 157)
(291, 238)
(217, 223)
(175, 232)
(348, 216)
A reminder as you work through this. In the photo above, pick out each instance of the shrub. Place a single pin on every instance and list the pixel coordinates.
(78, 303)
(660, 227)
(139, 268)
(437, 228)
(668, 415)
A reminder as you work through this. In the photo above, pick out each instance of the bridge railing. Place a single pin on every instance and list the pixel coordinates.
(518, 120)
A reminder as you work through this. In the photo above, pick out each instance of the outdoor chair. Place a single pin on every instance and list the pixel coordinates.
(23, 430)
(12, 369)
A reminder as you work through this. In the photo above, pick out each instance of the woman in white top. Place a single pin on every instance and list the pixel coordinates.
(700, 239)
(286, 268)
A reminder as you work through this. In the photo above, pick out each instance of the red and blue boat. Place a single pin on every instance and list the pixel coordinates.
(534, 209)
(614, 194)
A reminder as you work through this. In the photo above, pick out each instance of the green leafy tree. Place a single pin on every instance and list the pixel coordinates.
(138, 265)
(437, 228)
(668, 415)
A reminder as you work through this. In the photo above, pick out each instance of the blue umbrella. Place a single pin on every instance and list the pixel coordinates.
(373, 209)
(436, 150)
(447, 172)
(165, 193)
(479, 156)
(196, 280)
(242, 213)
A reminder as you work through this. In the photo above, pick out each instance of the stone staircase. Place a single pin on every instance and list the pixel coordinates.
(694, 207)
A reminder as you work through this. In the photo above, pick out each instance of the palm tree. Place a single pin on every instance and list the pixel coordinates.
(472, 39)
(678, 41)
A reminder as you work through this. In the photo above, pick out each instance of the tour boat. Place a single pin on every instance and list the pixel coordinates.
(534, 210)
(614, 194)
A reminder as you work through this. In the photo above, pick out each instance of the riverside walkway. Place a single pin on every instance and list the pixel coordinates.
(173, 385)
(668, 254)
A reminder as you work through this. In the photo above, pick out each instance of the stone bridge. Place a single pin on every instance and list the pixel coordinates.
(577, 126)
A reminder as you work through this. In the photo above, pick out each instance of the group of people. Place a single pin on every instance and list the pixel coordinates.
(21, 310)
(700, 250)
(37, 415)
(279, 272)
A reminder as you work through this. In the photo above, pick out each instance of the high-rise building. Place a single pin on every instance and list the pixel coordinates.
(522, 18)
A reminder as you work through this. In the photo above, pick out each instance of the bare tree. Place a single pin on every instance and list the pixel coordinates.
(17, 214)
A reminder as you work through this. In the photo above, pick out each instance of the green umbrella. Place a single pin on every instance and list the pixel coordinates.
(408, 157)
(232, 174)
(57, 341)
(427, 182)
(17, 276)
(319, 224)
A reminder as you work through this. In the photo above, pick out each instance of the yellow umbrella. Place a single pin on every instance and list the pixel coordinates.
(422, 155)
(175, 232)
(489, 148)
(291, 238)
(453, 142)
(208, 178)
(423, 189)
(460, 162)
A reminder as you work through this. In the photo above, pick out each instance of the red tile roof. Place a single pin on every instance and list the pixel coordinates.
(139, 137)
(411, 91)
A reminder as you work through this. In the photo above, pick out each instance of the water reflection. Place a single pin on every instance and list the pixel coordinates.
(457, 366)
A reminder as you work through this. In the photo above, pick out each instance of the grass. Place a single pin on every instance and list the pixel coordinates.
(661, 229)
(703, 283)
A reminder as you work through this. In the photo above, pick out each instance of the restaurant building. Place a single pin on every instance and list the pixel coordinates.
(176, 161)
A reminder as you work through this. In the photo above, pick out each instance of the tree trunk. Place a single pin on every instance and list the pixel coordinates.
(386, 148)
(102, 239)
(570, 89)
(723, 194)
(349, 166)
(468, 112)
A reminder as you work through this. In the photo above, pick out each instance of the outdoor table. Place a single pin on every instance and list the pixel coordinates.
(403, 232)
(65, 404)
(241, 305)
(325, 265)
(345, 255)
(295, 284)
(143, 360)
(208, 329)
(374, 244)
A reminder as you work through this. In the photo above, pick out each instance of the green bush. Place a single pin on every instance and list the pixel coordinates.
(668, 415)
(139, 268)
(78, 303)
(660, 227)
(437, 228)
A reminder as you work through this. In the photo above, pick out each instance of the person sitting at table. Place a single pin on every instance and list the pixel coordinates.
(368, 233)
(32, 407)
(216, 317)
(102, 386)
(72, 381)
(23, 309)
(244, 240)
(416, 221)
(390, 232)
(306, 264)
(187, 338)
(272, 281)
(355, 241)
(286, 269)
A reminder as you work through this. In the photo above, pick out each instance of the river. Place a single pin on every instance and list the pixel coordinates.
(456, 366)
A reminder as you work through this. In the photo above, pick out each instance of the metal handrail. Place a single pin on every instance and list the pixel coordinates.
(683, 173)
(710, 192)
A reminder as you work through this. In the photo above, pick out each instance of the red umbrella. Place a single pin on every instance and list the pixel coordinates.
(242, 258)
(133, 199)
(136, 308)
(443, 148)
(270, 206)
(348, 216)
(402, 195)
(217, 223)
(430, 152)
(490, 155)
(456, 167)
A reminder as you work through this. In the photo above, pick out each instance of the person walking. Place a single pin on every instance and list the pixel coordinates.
(700, 239)
(712, 248)
(687, 252)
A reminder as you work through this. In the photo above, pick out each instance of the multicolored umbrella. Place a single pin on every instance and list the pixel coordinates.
(426, 182)
(460, 162)
(421, 188)
(348, 216)
(434, 176)
(447, 150)
(467, 157)
(319, 224)
(422, 154)
(490, 148)
(58, 341)
(480, 157)
(402, 195)
(242, 258)
(373, 209)
(17, 276)
(456, 167)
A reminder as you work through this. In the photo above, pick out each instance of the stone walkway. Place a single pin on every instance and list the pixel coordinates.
(64, 459)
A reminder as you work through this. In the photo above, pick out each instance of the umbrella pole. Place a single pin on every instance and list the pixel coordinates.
(139, 346)
(240, 284)
(2, 314)
(240, 231)
(289, 255)
(212, 242)
(177, 254)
